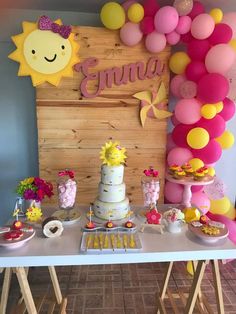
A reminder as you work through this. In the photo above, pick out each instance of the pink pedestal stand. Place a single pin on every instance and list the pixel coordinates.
(187, 183)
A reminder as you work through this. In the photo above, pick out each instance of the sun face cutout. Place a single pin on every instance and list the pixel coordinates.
(112, 154)
(44, 55)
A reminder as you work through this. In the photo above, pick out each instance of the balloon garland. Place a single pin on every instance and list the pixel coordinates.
(200, 83)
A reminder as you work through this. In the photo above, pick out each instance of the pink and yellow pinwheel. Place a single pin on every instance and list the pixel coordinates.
(152, 104)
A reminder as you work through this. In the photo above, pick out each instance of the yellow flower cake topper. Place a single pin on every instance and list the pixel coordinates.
(46, 51)
(112, 154)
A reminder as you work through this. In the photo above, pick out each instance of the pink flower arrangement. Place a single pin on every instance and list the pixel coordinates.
(151, 172)
(34, 188)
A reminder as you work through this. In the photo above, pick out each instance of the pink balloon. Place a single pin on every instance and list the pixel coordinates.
(173, 192)
(150, 7)
(147, 25)
(184, 25)
(196, 188)
(166, 20)
(174, 120)
(197, 9)
(188, 89)
(212, 88)
(130, 34)
(210, 153)
(173, 38)
(215, 127)
(170, 143)
(222, 34)
(155, 42)
(187, 38)
(230, 19)
(188, 111)
(195, 70)
(197, 49)
(202, 26)
(220, 59)
(179, 156)
(228, 110)
(175, 84)
(201, 200)
(179, 135)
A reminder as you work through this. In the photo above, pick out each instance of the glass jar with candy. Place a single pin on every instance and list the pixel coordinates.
(67, 188)
(151, 187)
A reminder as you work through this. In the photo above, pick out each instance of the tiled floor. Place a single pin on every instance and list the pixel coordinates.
(123, 289)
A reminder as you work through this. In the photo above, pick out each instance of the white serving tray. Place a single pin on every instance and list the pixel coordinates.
(109, 249)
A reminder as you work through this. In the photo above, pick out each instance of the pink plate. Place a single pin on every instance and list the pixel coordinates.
(197, 231)
(13, 244)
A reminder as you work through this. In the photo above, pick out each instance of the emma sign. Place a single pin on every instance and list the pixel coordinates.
(116, 75)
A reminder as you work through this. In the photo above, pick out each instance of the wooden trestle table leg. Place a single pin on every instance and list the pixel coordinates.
(161, 296)
(218, 288)
(5, 290)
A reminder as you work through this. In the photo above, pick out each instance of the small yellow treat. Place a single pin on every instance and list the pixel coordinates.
(174, 168)
(210, 230)
(179, 174)
(199, 175)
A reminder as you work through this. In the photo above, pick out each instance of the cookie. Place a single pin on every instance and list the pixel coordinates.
(216, 224)
(210, 230)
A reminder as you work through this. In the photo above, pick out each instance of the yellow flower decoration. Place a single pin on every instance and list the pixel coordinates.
(112, 154)
(150, 102)
(34, 214)
(27, 181)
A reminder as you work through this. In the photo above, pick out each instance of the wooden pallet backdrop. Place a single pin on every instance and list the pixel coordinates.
(72, 128)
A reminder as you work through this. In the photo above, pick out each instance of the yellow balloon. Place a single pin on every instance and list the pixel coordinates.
(190, 268)
(219, 106)
(211, 171)
(231, 213)
(178, 62)
(220, 206)
(217, 15)
(112, 15)
(232, 43)
(196, 163)
(135, 13)
(208, 111)
(198, 138)
(226, 140)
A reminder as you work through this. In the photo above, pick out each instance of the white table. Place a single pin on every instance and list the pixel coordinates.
(155, 248)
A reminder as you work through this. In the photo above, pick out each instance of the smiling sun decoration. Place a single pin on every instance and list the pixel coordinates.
(46, 51)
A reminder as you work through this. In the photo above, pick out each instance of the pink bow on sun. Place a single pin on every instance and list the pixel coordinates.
(46, 24)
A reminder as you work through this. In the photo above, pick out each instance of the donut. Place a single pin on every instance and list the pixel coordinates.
(52, 227)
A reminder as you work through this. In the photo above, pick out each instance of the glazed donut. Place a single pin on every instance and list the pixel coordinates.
(52, 227)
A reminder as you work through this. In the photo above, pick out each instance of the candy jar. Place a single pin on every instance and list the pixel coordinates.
(67, 187)
(150, 187)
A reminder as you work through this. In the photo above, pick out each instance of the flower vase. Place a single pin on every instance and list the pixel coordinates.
(29, 203)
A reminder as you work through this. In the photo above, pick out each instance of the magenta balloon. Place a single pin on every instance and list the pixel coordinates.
(179, 156)
(196, 188)
(228, 110)
(195, 70)
(175, 84)
(170, 143)
(184, 25)
(147, 25)
(187, 38)
(215, 127)
(220, 59)
(222, 34)
(173, 192)
(210, 153)
(197, 9)
(150, 7)
(174, 120)
(166, 19)
(179, 135)
(197, 49)
(130, 34)
(188, 111)
(212, 88)
(201, 200)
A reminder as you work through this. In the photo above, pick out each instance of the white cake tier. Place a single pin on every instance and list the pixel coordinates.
(111, 193)
(113, 211)
(112, 174)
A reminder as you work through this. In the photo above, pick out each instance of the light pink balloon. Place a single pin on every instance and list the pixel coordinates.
(202, 26)
(220, 59)
(184, 25)
(201, 200)
(166, 20)
(188, 111)
(170, 143)
(173, 38)
(230, 19)
(179, 156)
(130, 34)
(155, 42)
(173, 192)
(175, 84)
(188, 89)
(174, 120)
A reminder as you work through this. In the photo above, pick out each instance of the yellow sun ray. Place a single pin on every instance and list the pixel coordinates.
(112, 154)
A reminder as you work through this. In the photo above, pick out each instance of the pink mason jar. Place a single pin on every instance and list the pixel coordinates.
(150, 187)
(67, 188)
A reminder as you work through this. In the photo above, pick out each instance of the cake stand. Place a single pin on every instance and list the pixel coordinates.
(188, 182)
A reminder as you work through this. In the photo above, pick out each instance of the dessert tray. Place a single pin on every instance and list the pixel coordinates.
(208, 238)
(108, 242)
(67, 217)
(13, 244)
(117, 222)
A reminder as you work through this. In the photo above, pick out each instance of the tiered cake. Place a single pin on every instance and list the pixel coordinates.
(112, 202)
